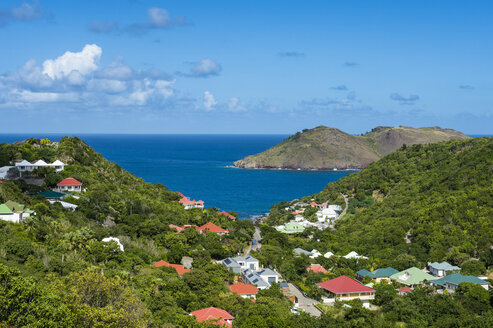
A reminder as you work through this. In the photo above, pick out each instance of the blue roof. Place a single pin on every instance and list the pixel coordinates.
(457, 279)
(379, 273)
(444, 266)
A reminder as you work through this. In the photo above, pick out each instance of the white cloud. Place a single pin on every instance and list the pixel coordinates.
(209, 101)
(159, 17)
(85, 62)
(205, 68)
(236, 105)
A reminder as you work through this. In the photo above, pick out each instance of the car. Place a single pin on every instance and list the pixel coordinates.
(295, 311)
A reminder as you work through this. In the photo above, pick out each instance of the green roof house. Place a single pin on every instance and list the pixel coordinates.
(452, 281)
(14, 212)
(50, 194)
(377, 275)
(412, 277)
(291, 227)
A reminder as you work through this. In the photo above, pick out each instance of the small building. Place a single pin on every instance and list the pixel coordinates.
(344, 288)
(180, 269)
(441, 269)
(189, 203)
(65, 205)
(405, 290)
(354, 255)
(328, 255)
(226, 214)
(268, 275)
(412, 277)
(317, 268)
(209, 226)
(253, 278)
(452, 281)
(50, 194)
(300, 251)
(377, 275)
(214, 315)
(5, 171)
(244, 290)
(14, 212)
(238, 263)
(69, 184)
(25, 166)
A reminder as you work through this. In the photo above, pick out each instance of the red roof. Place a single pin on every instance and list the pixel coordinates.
(227, 214)
(69, 182)
(344, 284)
(316, 268)
(243, 289)
(180, 269)
(405, 290)
(209, 226)
(186, 201)
(180, 229)
(212, 313)
(313, 204)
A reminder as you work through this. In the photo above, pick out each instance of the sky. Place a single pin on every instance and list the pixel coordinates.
(253, 67)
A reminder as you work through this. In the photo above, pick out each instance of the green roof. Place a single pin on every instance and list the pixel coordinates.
(292, 227)
(50, 194)
(15, 207)
(412, 276)
(4, 209)
(378, 273)
(457, 279)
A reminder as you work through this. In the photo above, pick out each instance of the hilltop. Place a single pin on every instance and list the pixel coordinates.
(324, 147)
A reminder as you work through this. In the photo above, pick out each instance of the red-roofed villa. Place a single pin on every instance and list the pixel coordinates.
(232, 217)
(209, 226)
(405, 290)
(317, 268)
(180, 269)
(244, 290)
(188, 203)
(344, 288)
(214, 315)
(69, 184)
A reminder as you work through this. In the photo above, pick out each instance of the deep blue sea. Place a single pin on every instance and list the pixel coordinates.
(200, 166)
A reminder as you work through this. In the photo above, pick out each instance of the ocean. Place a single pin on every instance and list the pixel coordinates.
(200, 166)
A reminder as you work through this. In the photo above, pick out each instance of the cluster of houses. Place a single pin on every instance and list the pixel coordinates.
(189, 203)
(208, 227)
(442, 276)
(326, 216)
(25, 167)
(313, 254)
(14, 212)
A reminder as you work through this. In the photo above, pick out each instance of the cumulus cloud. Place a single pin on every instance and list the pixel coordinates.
(341, 87)
(26, 12)
(236, 105)
(204, 68)
(84, 62)
(291, 54)
(411, 100)
(76, 78)
(209, 101)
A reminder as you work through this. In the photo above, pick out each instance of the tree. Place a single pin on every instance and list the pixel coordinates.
(473, 267)
(473, 297)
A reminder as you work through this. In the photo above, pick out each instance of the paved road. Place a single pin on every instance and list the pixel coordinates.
(256, 247)
(305, 303)
(346, 200)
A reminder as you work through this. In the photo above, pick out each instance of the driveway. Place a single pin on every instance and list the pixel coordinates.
(305, 303)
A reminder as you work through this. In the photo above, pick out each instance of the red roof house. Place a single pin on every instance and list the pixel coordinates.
(404, 290)
(317, 268)
(69, 184)
(344, 288)
(245, 290)
(215, 315)
(180, 269)
(232, 217)
(209, 226)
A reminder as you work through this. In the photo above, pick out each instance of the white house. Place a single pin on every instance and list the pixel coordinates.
(240, 263)
(69, 184)
(14, 212)
(25, 166)
(328, 213)
(67, 206)
(354, 255)
(269, 276)
(4, 170)
(441, 269)
(116, 240)
(314, 254)
(328, 255)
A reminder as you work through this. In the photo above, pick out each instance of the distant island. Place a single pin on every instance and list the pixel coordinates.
(326, 148)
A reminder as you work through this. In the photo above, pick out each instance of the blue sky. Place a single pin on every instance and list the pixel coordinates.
(244, 66)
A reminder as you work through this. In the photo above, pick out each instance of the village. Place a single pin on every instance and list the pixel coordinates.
(249, 275)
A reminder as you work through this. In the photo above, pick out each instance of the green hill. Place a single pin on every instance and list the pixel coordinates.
(327, 148)
(429, 202)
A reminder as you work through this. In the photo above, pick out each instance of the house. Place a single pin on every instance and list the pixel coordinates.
(377, 275)
(69, 184)
(328, 255)
(188, 203)
(226, 214)
(300, 251)
(50, 194)
(290, 228)
(239, 263)
(25, 166)
(344, 288)
(5, 171)
(214, 315)
(354, 255)
(405, 290)
(314, 254)
(209, 226)
(65, 205)
(244, 290)
(327, 214)
(14, 212)
(412, 277)
(253, 278)
(452, 281)
(180, 269)
(268, 275)
(317, 268)
(187, 262)
(441, 269)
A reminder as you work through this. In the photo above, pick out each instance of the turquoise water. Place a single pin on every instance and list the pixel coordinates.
(200, 166)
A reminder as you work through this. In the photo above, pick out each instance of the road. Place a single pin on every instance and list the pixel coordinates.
(256, 247)
(305, 303)
(346, 200)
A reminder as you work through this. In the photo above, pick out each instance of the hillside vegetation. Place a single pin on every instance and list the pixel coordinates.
(327, 148)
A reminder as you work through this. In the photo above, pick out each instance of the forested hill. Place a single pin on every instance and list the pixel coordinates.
(327, 148)
(433, 202)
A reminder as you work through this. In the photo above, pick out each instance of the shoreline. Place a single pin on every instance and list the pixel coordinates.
(288, 169)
